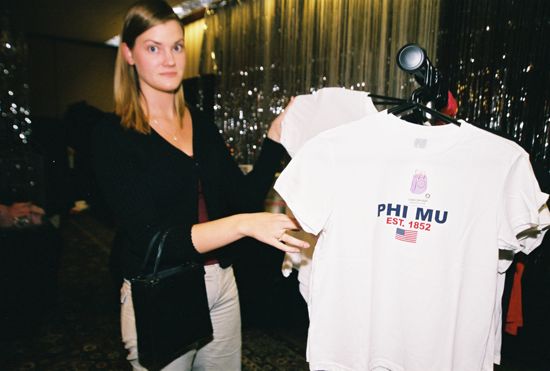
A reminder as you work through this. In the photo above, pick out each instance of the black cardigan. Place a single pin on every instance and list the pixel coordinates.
(150, 185)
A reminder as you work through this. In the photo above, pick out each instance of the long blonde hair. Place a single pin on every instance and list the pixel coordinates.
(139, 18)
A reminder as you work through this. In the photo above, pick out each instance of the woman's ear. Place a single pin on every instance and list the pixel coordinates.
(127, 53)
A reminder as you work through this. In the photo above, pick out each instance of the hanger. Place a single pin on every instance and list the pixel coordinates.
(416, 108)
(385, 100)
(432, 91)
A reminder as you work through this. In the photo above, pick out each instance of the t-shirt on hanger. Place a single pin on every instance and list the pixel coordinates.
(410, 220)
(310, 115)
(327, 108)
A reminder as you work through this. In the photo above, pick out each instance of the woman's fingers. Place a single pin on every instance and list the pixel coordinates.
(36, 219)
(289, 222)
(20, 209)
(26, 211)
(36, 214)
(272, 229)
(289, 240)
(37, 210)
(284, 247)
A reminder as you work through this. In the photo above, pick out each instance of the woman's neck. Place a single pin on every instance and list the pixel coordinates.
(158, 104)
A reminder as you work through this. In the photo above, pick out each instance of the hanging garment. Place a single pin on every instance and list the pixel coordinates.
(300, 261)
(311, 114)
(514, 317)
(410, 219)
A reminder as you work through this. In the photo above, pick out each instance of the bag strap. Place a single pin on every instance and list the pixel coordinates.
(158, 235)
(159, 250)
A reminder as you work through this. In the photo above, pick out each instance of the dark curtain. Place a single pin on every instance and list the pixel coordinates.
(496, 57)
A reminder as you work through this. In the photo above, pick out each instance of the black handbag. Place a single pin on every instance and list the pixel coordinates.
(171, 309)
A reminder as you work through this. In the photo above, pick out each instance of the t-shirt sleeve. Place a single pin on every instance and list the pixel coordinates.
(307, 184)
(524, 215)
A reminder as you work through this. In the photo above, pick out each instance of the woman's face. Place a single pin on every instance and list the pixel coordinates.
(159, 57)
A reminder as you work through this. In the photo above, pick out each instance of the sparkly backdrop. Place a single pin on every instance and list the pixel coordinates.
(21, 171)
(264, 52)
(15, 122)
(497, 56)
(494, 53)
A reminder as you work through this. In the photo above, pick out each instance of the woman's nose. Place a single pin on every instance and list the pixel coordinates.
(169, 58)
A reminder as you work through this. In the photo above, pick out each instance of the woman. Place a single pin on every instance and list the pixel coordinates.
(161, 164)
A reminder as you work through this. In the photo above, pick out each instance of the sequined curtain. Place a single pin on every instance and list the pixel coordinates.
(264, 52)
(194, 33)
(497, 57)
(21, 170)
(15, 122)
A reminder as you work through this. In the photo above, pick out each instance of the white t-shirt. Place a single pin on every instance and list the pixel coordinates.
(311, 114)
(410, 220)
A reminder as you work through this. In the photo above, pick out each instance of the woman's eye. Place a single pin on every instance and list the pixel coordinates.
(153, 48)
(178, 47)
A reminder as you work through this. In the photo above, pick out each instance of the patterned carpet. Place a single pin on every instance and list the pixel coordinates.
(81, 332)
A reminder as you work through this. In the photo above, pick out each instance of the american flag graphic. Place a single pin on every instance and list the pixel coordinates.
(405, 235)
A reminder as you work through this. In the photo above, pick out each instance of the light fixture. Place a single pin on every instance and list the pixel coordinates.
(413, 59)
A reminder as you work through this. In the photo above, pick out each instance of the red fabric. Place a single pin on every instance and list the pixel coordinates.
(452, 106)
(514, 318)
(203, 213)
(203, 217)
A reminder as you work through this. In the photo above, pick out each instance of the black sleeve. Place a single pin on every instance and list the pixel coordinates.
(119, 171)
(247, 193)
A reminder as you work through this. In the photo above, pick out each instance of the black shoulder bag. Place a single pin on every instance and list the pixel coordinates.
(171, 309)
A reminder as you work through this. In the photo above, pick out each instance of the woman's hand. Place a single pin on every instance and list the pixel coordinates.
(274, 132)
(265, 227)
(271, 229)
(20, 214)
(36, 215)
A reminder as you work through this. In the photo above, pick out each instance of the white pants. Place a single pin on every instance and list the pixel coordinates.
(223, 352)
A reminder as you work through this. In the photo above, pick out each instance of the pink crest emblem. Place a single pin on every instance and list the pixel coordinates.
(419, 182)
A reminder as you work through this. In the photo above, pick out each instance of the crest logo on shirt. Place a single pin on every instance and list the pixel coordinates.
(419, 182)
